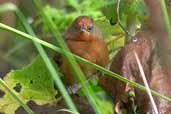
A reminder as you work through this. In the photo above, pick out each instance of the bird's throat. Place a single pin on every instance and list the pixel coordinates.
(83, 36)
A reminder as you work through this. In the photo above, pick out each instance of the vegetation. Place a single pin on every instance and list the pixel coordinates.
(33, 73)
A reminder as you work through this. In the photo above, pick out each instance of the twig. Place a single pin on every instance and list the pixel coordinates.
(119, 22)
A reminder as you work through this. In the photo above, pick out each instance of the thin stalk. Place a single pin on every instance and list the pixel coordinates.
(146, 84)
(119, 21)
(88, 91)
(12, 93)
(166, 18)
(82, 60)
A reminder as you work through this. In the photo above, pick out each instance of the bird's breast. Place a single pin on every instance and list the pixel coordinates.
(82, 48)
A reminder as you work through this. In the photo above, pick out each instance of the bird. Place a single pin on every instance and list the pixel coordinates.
(125, 64)
(84, 39)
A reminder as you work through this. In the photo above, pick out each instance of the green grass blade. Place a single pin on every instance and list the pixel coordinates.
(12, 93)
(54, 73)
(109, 73)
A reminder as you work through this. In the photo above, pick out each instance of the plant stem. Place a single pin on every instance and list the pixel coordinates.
(80, 59)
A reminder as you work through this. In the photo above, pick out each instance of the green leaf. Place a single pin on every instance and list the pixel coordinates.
(110, 13)
(106, 105)
(104, 101)
(33, 82)
(108, 30)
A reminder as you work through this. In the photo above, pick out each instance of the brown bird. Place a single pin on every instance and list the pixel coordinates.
(84, 39)
(125, 64)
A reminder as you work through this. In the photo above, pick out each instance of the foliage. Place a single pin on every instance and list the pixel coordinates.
(126, 7)
(35, 79)
(63, 17)
(29, 83)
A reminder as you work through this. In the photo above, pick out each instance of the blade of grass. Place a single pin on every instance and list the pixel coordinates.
(28, 29)
(104, 70)
(12, 93)
(54, 73)
(88, 91)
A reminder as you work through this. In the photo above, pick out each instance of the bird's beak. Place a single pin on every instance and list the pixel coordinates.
(82, 29)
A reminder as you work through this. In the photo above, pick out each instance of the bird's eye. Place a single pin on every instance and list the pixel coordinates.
(135, 39)
(90, 28)
(76, 29)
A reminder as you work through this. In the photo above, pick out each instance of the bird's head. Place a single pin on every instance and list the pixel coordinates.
(83, 24)
(83, 28)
